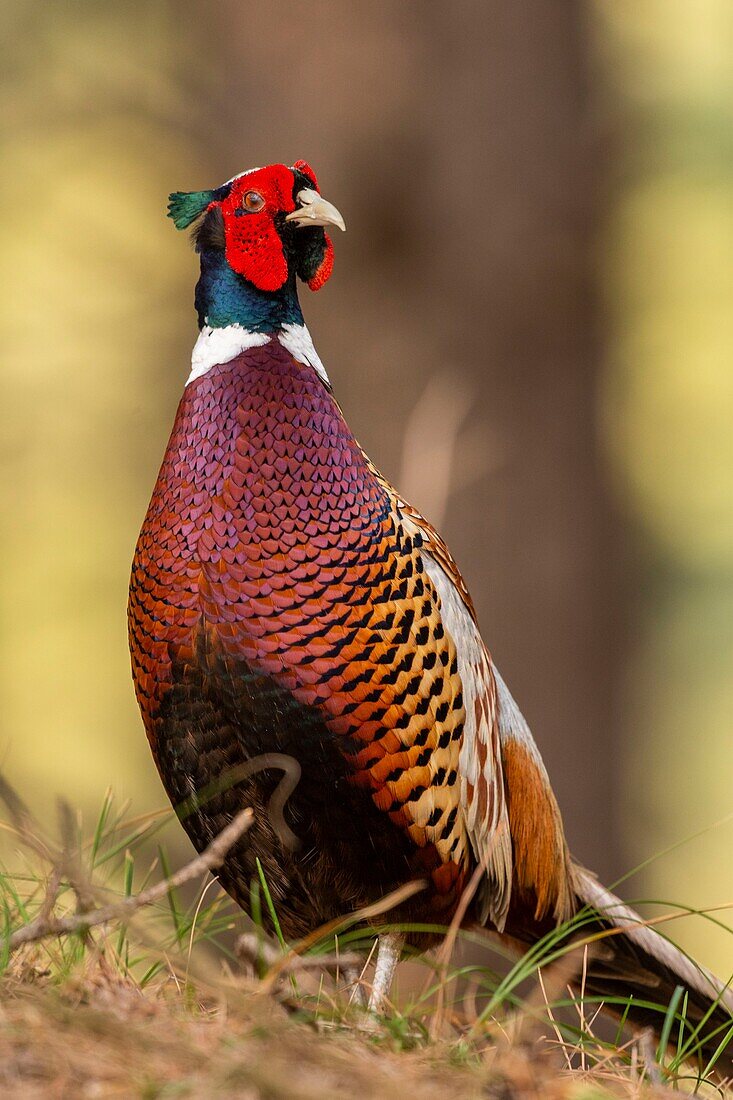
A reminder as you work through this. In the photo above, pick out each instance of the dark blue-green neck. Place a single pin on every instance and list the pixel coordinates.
(225, 298)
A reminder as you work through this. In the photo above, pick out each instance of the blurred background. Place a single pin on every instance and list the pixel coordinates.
(530, 330)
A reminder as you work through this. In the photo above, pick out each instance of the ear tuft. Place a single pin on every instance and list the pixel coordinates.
(184, 207)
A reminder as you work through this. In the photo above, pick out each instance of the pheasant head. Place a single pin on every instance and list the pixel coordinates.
(256, 234)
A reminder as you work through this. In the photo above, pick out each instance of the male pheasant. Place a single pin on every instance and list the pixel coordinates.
(286, 600)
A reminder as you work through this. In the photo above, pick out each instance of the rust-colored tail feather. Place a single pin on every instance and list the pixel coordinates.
(637, 960)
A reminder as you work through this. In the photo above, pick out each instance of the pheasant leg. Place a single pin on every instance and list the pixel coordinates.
(388, 955)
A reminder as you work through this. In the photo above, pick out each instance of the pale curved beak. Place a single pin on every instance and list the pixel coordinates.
(313, 210)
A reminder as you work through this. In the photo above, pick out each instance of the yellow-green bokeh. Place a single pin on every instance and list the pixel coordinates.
(667, 413)
(97, 325)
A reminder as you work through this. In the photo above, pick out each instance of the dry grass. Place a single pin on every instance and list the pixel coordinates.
(109, 991)
(99, 1037)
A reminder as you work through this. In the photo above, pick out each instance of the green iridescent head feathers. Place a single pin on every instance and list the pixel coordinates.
(184, 207)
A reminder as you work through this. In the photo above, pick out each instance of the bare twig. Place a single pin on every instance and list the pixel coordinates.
(253, 949)
(646, 1049)
(52, 892)
(531, 1019)
(211, 858)
(69, 863)
(357, 995)
(23, 822)
(558, 1034)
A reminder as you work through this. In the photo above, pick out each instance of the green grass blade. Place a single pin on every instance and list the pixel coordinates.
(669, 1019)
(719, 1050)
(690, 1048)
(7, 931)
(179, 923)
(270, 905)
(99, 831)
(133, 839)
(677, 1060)
(622, 1021)
(7, 884)
(127, 891)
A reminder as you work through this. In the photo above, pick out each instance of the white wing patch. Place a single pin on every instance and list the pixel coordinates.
(483, 800)
(512, 724)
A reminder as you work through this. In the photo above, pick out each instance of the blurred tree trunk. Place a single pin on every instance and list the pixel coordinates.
(461, 143)
(517, 287)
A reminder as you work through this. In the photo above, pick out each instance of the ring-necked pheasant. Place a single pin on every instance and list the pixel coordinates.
(285, 599)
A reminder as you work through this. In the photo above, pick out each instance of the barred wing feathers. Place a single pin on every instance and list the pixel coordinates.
(511, 815)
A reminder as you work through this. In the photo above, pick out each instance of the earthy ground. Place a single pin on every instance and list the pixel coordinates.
(120, 977)
(116, 1042)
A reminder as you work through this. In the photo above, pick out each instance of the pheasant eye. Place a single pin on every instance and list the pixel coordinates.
(253, 201)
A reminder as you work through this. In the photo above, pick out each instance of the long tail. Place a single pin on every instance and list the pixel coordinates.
(633, 958)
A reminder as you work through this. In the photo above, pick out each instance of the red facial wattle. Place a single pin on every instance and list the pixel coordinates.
(253, 245)
(323, 272)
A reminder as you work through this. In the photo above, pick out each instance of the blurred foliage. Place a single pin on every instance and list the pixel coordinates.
(668, 416)
(105, 108)
(94, 291)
